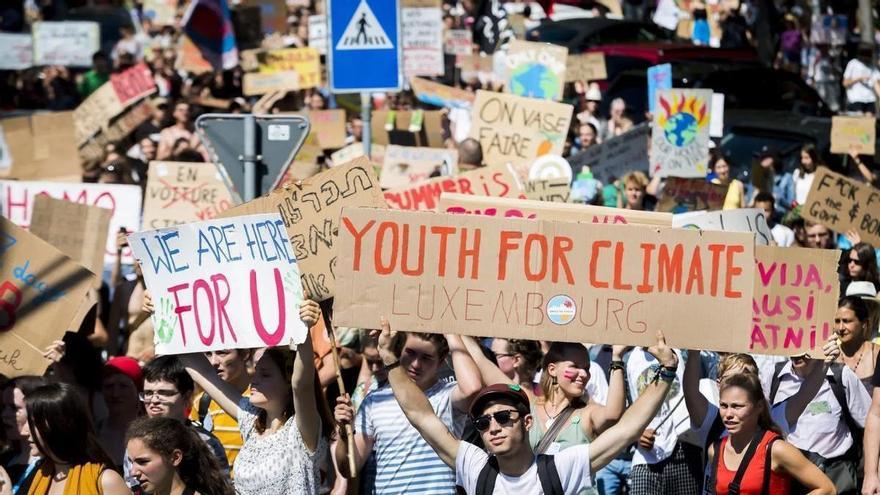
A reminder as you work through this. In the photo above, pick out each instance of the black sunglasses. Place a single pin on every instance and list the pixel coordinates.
(501, 417)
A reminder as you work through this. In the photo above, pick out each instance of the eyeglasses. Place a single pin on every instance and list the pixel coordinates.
(160, 395)
(856, 261)
(503, 418)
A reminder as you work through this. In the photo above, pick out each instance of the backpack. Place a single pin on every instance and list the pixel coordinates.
(733, 488)
(204, 405)
(835, 381)
(547, 474)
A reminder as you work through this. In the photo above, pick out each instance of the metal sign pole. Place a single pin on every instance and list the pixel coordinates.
(249, 158)
(367, 133)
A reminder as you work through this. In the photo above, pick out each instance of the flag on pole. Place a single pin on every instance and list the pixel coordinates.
(208, 23)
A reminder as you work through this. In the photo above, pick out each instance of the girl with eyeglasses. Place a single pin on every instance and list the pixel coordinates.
(167, 457)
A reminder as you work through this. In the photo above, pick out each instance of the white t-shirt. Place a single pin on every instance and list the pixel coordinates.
(783, 235)
(597, 387)
(821, 427)
(640, 370)
(572, 464)
(802, 184)
(862, 91)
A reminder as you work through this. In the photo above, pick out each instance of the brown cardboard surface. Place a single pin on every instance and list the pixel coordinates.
(796, 293)
(485, 181)
(311, 210)
(543, 280)
(77, 230)
(586, 67)
(841, 204)
(42, 146)
(857, 132)
(406, 165)
(517, 130)
(179, 192)
(681, 195)
(41, 292)
(329, 126)
(542, 210)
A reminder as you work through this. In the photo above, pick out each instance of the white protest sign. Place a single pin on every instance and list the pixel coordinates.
(222, 284)
(70, 43)
(739, 220)
(17, 52)
(716, 120)
(680, 139)
(422, 41)
(550, 167)
(17, 204)
(318, 33)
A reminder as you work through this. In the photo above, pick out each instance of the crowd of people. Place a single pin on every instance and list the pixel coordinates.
(442, 413)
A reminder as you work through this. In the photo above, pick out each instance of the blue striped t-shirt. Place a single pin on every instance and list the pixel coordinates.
(405, 463)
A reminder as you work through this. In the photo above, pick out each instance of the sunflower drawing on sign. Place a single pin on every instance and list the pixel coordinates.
(680, 138)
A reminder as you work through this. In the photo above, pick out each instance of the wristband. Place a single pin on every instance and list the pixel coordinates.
(666, 374)
(389, 367)
(616, 365)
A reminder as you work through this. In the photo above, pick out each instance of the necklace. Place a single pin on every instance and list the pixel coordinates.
(859, 361)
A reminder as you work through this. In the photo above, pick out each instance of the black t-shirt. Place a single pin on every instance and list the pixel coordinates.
(876, 380)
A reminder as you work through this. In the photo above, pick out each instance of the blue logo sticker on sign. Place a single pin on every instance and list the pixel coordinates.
(364, 46)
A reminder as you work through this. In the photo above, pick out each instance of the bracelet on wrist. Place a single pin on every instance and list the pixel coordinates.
(616, 365)
(666, 374)
(391, 366)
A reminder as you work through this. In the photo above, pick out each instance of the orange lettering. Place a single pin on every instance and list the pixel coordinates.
(358, 236)
(594, 264)
(506, 245)
(444, 233)
(542, 258)
(618, 268)
(670, 268)
(716, 250)
(380, 241)
(562, 245)
(732, 271)
(645, 287)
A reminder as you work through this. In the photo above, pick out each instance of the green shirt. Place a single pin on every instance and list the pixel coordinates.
(90, 82)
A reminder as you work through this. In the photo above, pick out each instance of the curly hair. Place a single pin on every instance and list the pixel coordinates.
(198, 467)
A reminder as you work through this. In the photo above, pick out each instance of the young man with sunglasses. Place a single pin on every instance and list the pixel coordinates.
(500, 413)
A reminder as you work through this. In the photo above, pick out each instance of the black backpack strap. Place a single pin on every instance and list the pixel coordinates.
(835, 381)
(204, 405)
(768, 465)
(486, 479)
(549, 476)
(733, 488)
(710, 483)
(774, 384)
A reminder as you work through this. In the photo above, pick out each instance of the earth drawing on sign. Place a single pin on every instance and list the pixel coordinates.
(534, 80)
(682, 119)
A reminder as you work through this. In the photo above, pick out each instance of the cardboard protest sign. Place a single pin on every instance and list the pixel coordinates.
(616, 157)
(552, 190)
(70, 43)
(441, 95)
(542, 280)
(306, 62)
(310, 211)
(422, 39)
(160, 12)
(681, 195)
(841, 204)
(110, 100)
(120, 128)
(77, 230)
(255, 83)
(680, 141)
(133, 83)
(738, 220)
(856, 132)
(18, 51)
(329, 127)
(659, 78)
(475, 67)
(538, 210)
(17, 200)
(180, 192)
(535, 70)
(318, 33)
(406, 128)
(204, 279)
(405, 165)
(40, 146)
(487, 181)
(517, 130)
(795, 300)
(586, 67)
(458, 41)
(41, 292)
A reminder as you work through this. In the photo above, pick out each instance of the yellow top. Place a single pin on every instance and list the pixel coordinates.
(734, 198)
(82, 479)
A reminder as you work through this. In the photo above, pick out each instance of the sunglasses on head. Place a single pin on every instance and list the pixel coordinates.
(501, 417)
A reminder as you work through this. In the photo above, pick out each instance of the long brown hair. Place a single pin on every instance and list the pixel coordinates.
(752, 386)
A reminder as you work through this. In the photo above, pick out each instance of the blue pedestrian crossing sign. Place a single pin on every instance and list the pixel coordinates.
(365, 52)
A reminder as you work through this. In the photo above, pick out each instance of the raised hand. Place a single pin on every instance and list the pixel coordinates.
(663, 353)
